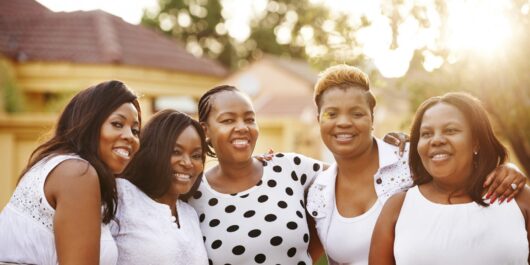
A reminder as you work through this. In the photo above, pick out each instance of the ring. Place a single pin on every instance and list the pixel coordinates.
(514, 186)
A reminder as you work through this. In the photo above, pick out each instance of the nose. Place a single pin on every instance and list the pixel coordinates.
(127, 134)
(343, 120)
(185, 162)
(241, 127)
(438, 139)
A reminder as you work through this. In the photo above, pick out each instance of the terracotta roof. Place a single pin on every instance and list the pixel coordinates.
(21, 8)
(93, 37)
(297, 67)
(284, 106)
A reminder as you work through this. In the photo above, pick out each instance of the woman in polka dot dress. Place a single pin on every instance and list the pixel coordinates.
(250, 212)
(346, 199)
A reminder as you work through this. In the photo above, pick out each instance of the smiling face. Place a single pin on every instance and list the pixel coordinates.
(345, 121)
(445, 143)
(186, 162)
(231, 126)
(118, 139)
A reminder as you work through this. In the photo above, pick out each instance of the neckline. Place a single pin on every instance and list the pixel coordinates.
(375, 206)
(243, 193)
(425, 199)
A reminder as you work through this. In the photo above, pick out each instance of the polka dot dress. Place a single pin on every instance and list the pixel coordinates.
(265, 224)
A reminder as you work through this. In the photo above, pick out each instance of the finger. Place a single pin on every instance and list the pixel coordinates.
(402, 148)
(495, 183)
(505, 189)
(520, 187)
(489, 179)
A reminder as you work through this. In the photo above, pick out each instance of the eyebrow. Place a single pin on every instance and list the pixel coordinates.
(135, 122)
(233, 113)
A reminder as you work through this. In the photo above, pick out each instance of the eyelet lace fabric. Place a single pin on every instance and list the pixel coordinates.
(29, 198)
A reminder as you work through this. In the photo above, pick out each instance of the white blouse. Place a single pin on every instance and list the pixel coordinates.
(347, 240)
(26, 223)
(146, 232)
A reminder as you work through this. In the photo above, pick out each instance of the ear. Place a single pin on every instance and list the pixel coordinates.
(476, 148)
(204, 127)
(318, 117)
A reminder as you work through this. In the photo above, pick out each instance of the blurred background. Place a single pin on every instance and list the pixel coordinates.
(172, 51)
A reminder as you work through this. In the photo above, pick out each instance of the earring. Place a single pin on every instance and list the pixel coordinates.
(475, 152)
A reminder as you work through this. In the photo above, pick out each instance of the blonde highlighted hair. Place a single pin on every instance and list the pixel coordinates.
(343, 76)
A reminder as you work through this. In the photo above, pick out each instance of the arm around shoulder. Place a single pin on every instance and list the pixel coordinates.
(73, 189)
(382, 245)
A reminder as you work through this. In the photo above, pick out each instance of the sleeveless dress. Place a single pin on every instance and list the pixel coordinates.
(26, 223)
(432, 233)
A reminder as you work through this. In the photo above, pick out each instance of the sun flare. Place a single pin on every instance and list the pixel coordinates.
(481, 27)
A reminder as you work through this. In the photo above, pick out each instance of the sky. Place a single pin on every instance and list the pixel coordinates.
(471, 25)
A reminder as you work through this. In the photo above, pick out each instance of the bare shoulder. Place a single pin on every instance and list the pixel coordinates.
(396, 200)
(392, 206)
(71, 178)
(73, 170)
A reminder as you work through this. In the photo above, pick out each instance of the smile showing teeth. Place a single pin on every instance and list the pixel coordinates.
(240, 143)
(181, 177)
(439, 157)
(122, 152)
(343, 137)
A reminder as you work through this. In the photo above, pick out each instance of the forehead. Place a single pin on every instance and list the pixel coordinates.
(230, 101)
(126, 110)
(443, 113)
(188, 136)
(335, 96)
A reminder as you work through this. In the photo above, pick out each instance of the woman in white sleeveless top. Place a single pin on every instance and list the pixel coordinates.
(153, 225)
(66, 196)
(444, 219)
(346, 199)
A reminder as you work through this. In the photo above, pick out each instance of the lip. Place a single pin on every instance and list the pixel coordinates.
(439, 155)
(344, 137)
(240, 143)
(123, 152)
(182, 177)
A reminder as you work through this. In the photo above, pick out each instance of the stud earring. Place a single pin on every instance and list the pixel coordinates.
(475, 152)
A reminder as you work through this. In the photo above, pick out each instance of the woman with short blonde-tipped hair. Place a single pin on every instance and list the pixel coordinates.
(346, 199)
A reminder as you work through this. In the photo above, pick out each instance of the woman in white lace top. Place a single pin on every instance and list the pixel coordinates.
(66, 195)
(152, 225)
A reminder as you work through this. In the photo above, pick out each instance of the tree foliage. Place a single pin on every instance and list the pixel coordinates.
(325, 37)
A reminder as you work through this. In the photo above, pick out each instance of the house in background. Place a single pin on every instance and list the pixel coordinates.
(46, 57)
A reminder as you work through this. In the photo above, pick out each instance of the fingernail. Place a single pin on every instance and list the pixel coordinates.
(488, 195)
(509, 200)
(501, 199)
(493, 199)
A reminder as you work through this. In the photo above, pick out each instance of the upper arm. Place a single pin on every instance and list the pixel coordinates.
(382, 245)
(315, 247)
(73, 188)
(523, 200)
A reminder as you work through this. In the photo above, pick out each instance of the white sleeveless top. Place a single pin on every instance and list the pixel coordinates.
(146, 232)
(356, 231)
(431, 233)
(26, 223)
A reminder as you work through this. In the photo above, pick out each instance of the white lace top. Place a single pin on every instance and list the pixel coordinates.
(26, 223)
(146, 232)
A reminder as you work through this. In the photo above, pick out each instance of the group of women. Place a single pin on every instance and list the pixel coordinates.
(104, 190)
